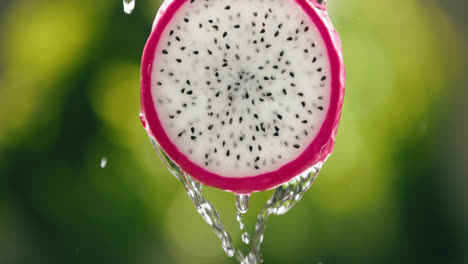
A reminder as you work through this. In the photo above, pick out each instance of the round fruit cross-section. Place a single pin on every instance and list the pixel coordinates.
(243, 95)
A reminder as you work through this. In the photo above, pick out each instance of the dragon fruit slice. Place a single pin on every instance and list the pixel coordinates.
(243, 95)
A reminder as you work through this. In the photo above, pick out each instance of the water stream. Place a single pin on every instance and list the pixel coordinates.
(283, 199)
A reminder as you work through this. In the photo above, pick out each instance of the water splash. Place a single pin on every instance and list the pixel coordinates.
(283, 199)
(128, 6)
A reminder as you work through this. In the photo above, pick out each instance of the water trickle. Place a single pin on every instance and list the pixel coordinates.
(242, 202)
(239, 219)
(103, 163)
(283, 199)
(128, 6)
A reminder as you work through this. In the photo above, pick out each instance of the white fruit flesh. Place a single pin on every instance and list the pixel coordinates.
(241, 87)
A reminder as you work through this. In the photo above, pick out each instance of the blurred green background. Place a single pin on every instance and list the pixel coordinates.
(395, 189)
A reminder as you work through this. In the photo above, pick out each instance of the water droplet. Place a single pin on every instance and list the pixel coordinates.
(128, 5)
(242, 202)
(103, 162)
(245, 238)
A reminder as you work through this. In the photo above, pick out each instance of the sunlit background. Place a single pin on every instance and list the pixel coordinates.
(395, 189)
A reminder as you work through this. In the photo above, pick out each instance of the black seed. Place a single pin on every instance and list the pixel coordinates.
(289, 39)
(210, 21)
(304, 121)
(189, 92)
(183, 90)
(277, 128)
(306, 50)
(164, 51)
(259, 148)
(262, 31)
(279, 116)
(236, 26)
(319, 69)
(210, 127)
(320, 108)
(296, 146)
(177, 38)
(276, 134)
(193, 137)
(314, 59)
(227, 46)
(227, 7)
(186, 20)
(292, 74)
(250, 148)
(171, 117)
(268, 94)
(256, 116)
(179, 60)
(228, 153)
(238, 157)
(313, 45)
(282, 53)
(181, 133)
(224, 34)
(255, 14)
(293, 84)
(240, 119)
(323, 78)
(276, 33)
(266, 78)
(306, 28)
(192, 129)
(320, 97)
(178, 112)
(268, 46)
(206, 155)
(284, 92)
(257, 158)
(300, 94)
(303, 104)
(217, 94)
(172, 32)
(209, 52)
(200, 25)
(256, 167)
(188, 82)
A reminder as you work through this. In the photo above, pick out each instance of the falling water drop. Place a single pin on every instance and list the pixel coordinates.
(103, 162)
(245, 238)
(128, 5)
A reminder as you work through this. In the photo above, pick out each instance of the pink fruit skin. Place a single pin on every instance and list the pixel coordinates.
(318, 151)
